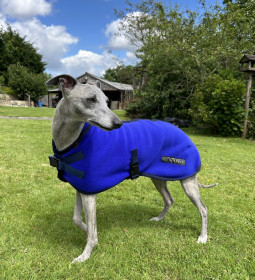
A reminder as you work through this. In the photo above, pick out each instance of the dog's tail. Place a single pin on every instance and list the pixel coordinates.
(207, 186)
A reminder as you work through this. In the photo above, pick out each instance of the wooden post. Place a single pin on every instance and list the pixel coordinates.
(122, 99)
(134, 79)
(28, 99)
(141, 81)
(247, 105)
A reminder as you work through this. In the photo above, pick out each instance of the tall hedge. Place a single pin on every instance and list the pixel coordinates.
(218, 104)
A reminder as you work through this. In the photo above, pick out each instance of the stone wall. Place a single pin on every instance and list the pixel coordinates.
(9, 100)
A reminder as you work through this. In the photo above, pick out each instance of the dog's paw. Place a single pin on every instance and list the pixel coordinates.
(77, 260)
(80, 259)
(156, 219)
(202, 239)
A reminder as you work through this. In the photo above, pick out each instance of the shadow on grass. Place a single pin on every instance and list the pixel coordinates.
(199, 131)
(58, 228)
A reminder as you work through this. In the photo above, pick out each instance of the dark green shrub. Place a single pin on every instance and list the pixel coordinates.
(22, 81)
(218, 104)
(155, 104)
(141, 108)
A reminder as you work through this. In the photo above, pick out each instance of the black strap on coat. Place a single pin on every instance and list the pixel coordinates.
(134, 165)
(63, 163)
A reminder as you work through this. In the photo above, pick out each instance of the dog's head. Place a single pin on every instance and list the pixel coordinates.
(85, 102)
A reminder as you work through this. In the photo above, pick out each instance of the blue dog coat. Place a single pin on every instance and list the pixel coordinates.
(99, 160)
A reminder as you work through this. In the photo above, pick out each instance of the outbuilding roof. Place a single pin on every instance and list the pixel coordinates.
(117, 86)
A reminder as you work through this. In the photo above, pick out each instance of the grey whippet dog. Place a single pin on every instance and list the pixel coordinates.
(87, 103)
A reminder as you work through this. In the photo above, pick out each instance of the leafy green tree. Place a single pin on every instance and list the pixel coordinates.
(15, 49)
(218, 104)
(22, 81)
(110, 74)
(181, 50)
(168, 57)
(121, 74)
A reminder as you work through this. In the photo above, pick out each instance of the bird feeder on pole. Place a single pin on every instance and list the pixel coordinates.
(247, 65)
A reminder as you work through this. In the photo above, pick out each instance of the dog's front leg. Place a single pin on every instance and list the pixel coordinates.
(89, 205)
(77, 219)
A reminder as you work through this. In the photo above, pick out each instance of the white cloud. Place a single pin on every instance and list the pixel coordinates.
(51, 41)
(116, 37)
(3, 21)
(86, 61)
(119, 36)
(130, 58)
(24, 9)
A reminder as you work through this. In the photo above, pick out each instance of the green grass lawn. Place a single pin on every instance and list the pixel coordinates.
(26, 111)
(38, 239)
(38, 112)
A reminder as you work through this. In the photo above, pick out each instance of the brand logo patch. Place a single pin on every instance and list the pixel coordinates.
(173, 160)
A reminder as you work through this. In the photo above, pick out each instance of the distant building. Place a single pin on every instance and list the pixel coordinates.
(118, 94)
(52, 98)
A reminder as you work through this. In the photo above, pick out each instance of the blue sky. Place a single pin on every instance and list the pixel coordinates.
(74, 36)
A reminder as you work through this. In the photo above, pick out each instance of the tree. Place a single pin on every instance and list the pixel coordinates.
(23, 81)
(121, 74)
(217, 104)
(181, 50)
(167, 54)
(15, 49)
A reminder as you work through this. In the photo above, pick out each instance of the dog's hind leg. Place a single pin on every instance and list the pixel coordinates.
(190, 186)
(161, 186)
(89, 205)
(77, 218)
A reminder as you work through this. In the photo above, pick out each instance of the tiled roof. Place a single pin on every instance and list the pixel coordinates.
(118, 86)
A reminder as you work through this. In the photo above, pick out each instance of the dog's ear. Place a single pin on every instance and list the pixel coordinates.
(64, 81)
(98, 84)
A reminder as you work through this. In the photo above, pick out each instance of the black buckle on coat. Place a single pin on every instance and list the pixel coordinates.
(134, 165)
(134, 171)
(63, 164)
(53, 161)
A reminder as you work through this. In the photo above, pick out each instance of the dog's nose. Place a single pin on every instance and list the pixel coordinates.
(117, 123)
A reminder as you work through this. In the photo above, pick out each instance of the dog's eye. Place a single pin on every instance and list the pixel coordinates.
(91, 100)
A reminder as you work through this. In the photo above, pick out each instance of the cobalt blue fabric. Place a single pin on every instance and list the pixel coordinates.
(164, 152)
